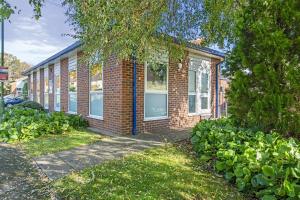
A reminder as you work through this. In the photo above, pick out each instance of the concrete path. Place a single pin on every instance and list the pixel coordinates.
(57, 165)
(18, 178)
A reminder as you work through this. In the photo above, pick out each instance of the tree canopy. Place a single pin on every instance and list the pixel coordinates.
(6, 9)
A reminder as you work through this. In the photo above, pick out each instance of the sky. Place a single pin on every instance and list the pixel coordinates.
(33, 41)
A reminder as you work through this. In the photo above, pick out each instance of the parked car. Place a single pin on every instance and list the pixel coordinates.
(12, 101)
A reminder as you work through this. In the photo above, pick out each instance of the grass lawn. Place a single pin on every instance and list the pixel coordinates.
(54, 143)
(160, 173)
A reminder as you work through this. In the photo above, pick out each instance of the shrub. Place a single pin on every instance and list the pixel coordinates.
(21, 123)
(77, 121)
(265, 164)
(31, 104)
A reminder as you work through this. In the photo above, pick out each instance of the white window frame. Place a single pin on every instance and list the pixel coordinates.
(31, 86)
(57, 73)
(72, 67)
(38, 85)
(199, 68)
(96, 92)
(164, 60)
(46, 92)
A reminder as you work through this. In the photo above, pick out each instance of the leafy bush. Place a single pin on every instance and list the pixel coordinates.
(30, 104)
(265, 164)
(76, 121)
(26, 123)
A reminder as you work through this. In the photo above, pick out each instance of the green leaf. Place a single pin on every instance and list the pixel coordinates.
(220, 166)
(239, 171)
(205, 158)
(268, 171)
(240, 184)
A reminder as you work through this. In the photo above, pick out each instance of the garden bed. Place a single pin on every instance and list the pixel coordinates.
(263, 164)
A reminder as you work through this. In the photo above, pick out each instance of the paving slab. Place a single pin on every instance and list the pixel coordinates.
(57, 165)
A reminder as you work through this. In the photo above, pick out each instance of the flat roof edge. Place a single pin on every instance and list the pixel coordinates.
(77, 44)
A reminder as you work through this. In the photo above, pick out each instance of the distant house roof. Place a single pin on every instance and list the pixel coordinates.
(77, 44)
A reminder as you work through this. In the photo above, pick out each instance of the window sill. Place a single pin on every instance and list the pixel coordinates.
(155, 118)
(95, 117)
(200, 114)
(72, 113)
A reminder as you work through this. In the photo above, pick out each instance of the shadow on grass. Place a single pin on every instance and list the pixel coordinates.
(159, 173)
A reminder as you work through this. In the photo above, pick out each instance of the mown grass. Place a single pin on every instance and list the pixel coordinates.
(160, 173)
(54, 143)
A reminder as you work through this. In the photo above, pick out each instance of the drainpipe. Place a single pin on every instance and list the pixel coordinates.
(134, 130)
(217, 89)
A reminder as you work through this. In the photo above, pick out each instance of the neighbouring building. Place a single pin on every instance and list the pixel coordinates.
(17, 86)
(169, 95)
(223, 101)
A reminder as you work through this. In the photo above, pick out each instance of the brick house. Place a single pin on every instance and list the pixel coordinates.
(168, 94)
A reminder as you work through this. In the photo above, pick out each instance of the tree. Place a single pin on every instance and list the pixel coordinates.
(6, 9)
(264, 61)
(15, 66)
(121, 27)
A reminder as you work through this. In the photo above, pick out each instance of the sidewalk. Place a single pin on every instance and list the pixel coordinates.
(57, 165)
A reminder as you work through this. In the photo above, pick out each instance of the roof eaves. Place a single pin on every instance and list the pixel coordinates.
(70, 48)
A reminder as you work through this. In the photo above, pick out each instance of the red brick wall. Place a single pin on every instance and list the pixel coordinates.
(82, 87)
(34, 86)
(42, 86)
(112, 95)
(64, 85)
(51, 80)
(177, 98)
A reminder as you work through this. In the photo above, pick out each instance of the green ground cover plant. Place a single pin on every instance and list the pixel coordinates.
(21, 124)
(266, 165)
(160, 173)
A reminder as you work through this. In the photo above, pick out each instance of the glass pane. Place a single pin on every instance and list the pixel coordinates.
(192, 81)
(157, 77)
(155, 105)
(57, 84)
(73, 81)
(96, 104)
(204, 103)
(192, 103)
(204, 82)
(38, 97)
(46, 100)
(96, 78)
(73, 103)
(57, 101)
(46, 85)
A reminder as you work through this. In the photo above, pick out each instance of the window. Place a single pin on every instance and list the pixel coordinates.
(72, 84)
(199, 86)
(156, 89)
(46, 88)
(31, 86)
(57, 87)
(38, 87)
(96, 90)
(192, 91)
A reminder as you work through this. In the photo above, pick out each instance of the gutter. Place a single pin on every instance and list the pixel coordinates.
(217, 89)
(134, 102)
